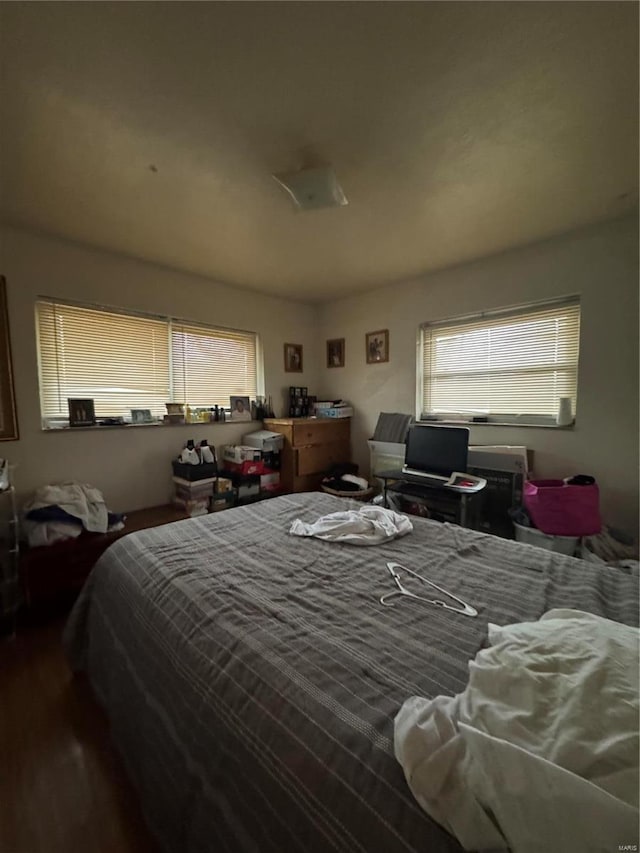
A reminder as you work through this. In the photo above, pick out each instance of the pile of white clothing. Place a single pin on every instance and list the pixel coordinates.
(369, 525)
(64, 510)
(540, 752)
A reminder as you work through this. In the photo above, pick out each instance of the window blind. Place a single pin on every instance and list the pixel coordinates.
(209, 366)
(119, 360)
(127, 361)
(507, 364)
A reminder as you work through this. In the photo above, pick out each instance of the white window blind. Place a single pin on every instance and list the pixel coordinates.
(128, 361)
(208, 367)
(508, 365)
(120, 360)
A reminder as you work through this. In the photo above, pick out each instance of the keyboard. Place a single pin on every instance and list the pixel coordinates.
(421, 480)
(418, 477)
(413, 489)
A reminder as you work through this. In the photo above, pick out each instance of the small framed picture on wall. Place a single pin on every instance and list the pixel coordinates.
(377, 344)
(335, 352)
(293, 358)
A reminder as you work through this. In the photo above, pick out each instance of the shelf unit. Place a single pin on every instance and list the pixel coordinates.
(10, 589)
(437, 503)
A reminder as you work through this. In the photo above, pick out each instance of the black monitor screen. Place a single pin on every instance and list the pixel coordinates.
(437, 450)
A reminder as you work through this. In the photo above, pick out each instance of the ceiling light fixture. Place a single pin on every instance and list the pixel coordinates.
(313, 188)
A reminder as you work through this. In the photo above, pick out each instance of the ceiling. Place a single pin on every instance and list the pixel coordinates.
(456, 129)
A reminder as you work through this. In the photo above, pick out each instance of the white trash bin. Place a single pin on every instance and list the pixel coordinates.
(560, 544)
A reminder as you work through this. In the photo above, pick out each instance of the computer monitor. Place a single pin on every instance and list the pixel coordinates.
(436, 450)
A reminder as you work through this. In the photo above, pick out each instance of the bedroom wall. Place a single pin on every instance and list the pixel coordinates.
(601, 264)
(130, 466)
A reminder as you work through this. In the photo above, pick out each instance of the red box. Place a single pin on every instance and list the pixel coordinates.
(245, 467)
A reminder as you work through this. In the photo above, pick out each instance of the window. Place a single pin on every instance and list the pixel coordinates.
(130, 361)
(508, 366)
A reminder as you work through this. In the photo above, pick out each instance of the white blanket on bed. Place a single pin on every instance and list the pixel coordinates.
(544, 739)
(369, 525)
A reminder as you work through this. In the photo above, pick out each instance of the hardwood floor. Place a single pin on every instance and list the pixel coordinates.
(62, 785)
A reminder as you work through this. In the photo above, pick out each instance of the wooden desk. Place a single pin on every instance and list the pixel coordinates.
(440, 502)
(54, 574)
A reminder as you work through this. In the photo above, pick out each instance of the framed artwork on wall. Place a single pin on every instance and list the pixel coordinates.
(293, 358)
(8, 413)
(377, 344)
(335, 352)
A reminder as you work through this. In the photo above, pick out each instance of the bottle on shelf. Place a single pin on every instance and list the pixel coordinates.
(205, 451)
(189, 453)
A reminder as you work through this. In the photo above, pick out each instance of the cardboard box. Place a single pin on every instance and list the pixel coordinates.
(192, 508)
(335, 412)
(500, 457)
(223, 486)
(385, 456)
(194, 484)
(245, 468)
(193, 490)
(505, 469)
(264, 440)
(248, 490)
(240, 453)
(220, 502)
(270, 482)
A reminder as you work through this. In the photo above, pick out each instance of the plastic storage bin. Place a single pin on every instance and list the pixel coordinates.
(563, 509)
(194, 472)
(560, 544)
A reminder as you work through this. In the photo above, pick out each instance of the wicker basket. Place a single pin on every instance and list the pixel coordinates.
(363, 495)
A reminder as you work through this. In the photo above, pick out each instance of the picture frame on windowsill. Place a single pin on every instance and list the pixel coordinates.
(240, 408)
(81, 412)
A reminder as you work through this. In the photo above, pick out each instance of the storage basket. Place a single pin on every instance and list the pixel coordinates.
(560, 544)
(562, 509)
(194, 472)
(362, 495)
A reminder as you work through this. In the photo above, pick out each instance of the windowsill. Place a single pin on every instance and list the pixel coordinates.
(512, 424)
(101, 427)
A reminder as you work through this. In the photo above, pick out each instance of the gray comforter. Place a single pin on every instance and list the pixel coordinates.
(251, 678)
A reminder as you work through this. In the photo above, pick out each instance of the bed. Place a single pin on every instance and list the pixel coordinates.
(251, 678)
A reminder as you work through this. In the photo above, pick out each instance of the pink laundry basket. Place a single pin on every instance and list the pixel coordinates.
(561, 509)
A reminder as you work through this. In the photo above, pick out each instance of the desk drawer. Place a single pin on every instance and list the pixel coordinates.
(320, 432)
(318, 458)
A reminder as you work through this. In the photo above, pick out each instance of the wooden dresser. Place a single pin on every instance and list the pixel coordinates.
(311, 447)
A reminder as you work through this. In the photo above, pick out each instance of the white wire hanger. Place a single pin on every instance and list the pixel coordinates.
(464, 609)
